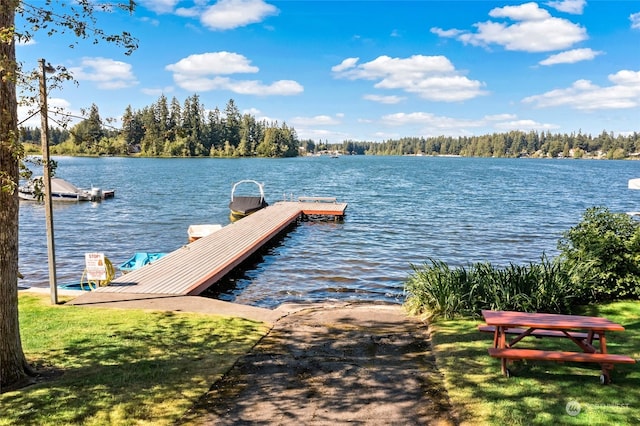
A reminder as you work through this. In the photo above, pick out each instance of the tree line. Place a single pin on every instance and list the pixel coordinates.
(511, 144)
(172, 129)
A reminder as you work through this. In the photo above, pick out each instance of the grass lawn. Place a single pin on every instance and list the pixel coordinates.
(540, 391)
(120, 367)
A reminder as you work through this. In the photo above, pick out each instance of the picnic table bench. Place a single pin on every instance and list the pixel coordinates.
(538, 333)
(581, 330)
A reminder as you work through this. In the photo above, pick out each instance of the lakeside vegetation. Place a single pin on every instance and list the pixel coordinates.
(168, 128)
(599, 262)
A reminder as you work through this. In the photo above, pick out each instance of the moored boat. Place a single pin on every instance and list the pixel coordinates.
(138, 260)
(243, 205)
(198, 231)
(61, 190)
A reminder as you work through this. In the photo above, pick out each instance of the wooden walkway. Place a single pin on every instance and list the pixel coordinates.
(196, 266)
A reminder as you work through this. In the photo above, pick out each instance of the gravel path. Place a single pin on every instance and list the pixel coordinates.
(366, 364)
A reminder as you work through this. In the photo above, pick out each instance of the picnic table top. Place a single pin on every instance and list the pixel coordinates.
(549, 321)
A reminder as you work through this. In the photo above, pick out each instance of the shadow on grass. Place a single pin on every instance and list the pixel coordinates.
(122, 367)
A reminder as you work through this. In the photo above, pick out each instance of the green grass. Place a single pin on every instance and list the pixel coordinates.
(120, 367)
(539, 392)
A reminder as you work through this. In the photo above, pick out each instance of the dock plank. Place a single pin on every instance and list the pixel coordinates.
(194, 267)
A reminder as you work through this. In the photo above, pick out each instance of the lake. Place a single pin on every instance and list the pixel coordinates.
(402, 211)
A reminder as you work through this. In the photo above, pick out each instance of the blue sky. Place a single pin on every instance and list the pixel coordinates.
(369, 70)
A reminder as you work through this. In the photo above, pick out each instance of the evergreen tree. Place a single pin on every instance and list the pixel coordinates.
(89, 131)
(232, 123)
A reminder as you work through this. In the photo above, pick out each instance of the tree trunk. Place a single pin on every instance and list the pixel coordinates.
(13, 365)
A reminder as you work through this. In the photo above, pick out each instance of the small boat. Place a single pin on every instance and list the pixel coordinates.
(634, 184)
(61, 190)
(138, 260)
(243, 205)
(198, 231)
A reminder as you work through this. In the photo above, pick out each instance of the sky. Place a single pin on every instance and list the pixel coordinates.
(367, 70)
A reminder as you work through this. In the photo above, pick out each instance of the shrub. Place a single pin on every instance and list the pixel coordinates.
(601, 256)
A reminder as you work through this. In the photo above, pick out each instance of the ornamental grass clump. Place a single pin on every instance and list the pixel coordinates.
(435, 290)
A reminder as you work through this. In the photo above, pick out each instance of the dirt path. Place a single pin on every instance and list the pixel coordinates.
(359, 364)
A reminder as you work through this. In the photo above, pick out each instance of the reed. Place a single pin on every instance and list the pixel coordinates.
(435, 290)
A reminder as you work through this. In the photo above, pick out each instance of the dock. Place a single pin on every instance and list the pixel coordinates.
(198, 265)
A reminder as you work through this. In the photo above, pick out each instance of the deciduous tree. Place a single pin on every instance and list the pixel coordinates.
(53, 18)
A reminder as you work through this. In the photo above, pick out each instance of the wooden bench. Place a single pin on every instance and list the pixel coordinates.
(538, 333)
(606, 361)
(535, 354)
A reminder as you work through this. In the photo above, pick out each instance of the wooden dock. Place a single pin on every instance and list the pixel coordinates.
(196, 266)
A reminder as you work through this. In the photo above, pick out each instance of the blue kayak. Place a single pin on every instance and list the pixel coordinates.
(138, 260)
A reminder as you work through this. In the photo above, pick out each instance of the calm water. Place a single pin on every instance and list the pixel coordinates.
(402, 211)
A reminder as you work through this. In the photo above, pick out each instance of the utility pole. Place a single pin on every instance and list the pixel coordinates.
(48, 208)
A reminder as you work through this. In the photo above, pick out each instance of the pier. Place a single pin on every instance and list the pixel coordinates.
(196, 266)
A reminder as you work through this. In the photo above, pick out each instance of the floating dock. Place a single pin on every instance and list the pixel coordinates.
(196, 266)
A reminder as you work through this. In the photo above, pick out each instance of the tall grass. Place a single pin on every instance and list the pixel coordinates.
(435, 290)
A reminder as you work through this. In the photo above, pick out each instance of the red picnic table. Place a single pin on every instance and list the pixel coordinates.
(582, 330)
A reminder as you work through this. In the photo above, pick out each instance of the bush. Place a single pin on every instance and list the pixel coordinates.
(601, 256)
(437, 291)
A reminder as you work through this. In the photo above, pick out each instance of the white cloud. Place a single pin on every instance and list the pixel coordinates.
(243, 87)
(322, 134)
(150, 21)
(156, 91)
(212, 63)
(107, 73)
(204, 72)
(624, 92)
(318, 120)
(384, 99)
(252, 111)
(27, 118)
(524, 12)
(189, 12)
(534, 30)
(500, 117)
(159, 6)
(635, 20)
(452, 33)
(229, 14)
(345, 65)
(428, 119)
(571, 56)
(569, 6)
(525, 125)
(433, 125)
(430, 77)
